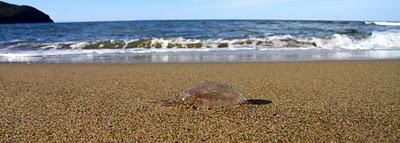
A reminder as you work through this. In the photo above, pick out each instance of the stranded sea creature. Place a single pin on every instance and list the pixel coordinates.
(208, 94)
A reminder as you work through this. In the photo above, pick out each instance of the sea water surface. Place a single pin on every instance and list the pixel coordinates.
(176, 41)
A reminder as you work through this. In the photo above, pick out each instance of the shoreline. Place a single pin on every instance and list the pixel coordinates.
(219, 56)
(209, 63)
(354, 101)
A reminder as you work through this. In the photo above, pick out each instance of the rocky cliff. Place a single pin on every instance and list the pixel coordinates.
(10, 13)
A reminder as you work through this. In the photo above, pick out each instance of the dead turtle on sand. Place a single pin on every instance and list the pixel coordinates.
(208, 94)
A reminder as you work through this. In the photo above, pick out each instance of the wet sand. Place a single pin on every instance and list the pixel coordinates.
(354, 101)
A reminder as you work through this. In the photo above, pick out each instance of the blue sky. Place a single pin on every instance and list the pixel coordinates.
(107, 10)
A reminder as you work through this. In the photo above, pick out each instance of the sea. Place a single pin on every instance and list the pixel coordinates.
(197, 41)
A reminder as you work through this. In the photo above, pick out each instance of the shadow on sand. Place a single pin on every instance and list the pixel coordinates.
(259, 101)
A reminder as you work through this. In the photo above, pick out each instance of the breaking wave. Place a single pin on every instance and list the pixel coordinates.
(376, 40)
(383, 23)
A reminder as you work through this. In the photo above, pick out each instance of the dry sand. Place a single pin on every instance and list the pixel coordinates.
(311, 101)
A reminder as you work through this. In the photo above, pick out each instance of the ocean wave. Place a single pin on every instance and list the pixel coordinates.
(376, 40)
(382, 23)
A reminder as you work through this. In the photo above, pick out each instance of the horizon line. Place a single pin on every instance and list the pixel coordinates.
(212, 19)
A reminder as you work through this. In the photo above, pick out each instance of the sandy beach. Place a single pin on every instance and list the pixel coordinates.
(355, 101)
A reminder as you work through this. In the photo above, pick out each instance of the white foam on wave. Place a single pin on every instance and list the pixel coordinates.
(79, 45)
(383, 23)
(377, 40)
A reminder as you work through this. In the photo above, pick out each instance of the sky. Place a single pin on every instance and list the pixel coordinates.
(115, 10)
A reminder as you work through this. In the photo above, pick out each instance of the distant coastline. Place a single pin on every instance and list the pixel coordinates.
(13, 14)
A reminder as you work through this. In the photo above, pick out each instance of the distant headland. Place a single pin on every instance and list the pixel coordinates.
(10, 13)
